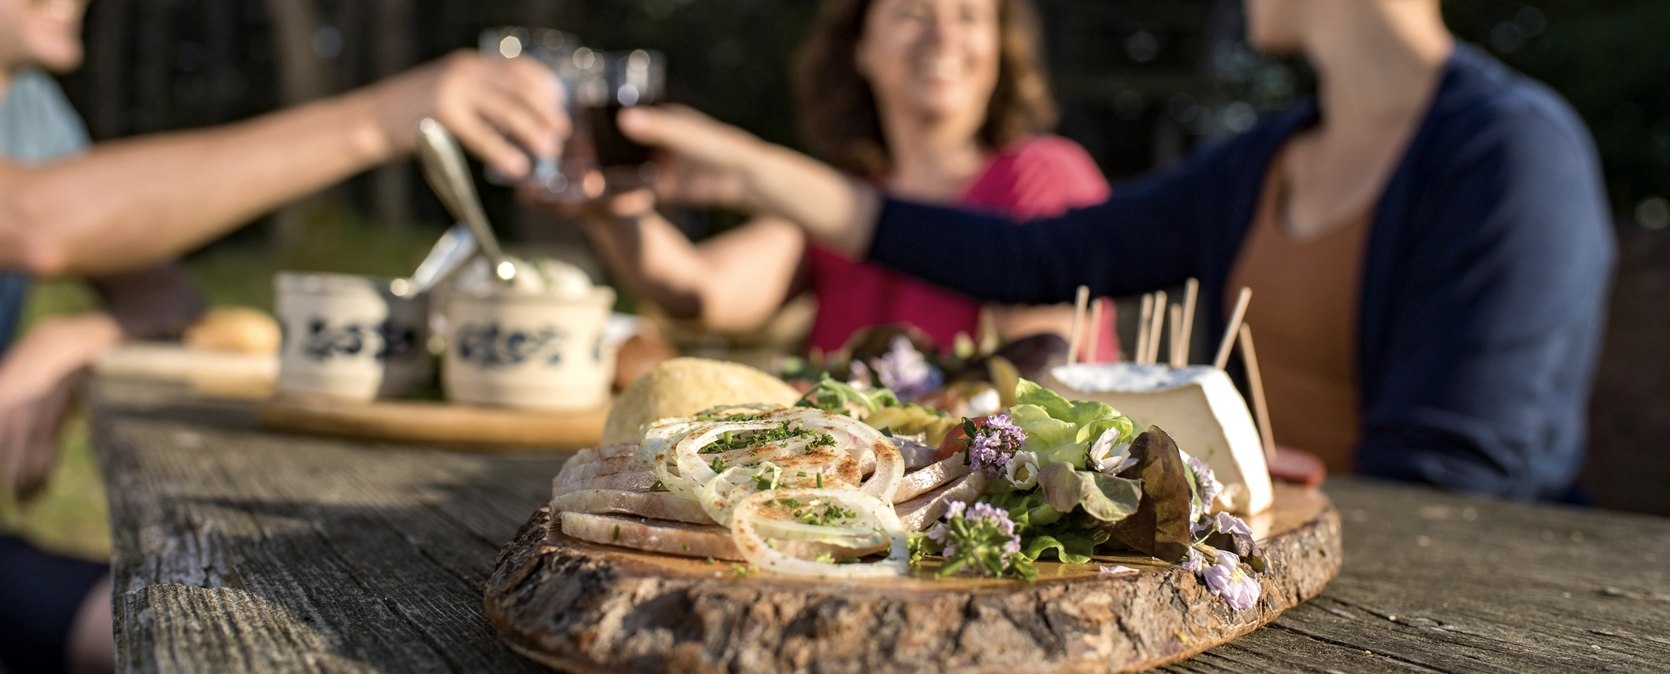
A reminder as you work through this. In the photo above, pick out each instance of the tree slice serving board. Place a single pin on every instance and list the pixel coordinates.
(581, 607)
(464, 427)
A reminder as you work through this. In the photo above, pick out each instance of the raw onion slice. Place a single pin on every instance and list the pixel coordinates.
(749, 518)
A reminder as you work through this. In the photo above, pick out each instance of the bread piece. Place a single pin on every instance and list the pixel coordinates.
(685, 386)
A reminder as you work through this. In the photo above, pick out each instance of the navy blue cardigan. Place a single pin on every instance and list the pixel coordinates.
(1483, 294)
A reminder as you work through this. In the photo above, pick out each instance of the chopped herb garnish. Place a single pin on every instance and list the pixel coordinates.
(718, 464)
(782, 432)
(825, 515)
(741, 571)
(616, 536)
(658, 486)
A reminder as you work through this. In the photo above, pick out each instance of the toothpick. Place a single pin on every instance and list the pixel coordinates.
(1156, 328)
(1261, 408)
(1093, 331)
(1234, 327)
(1078, 324)
(1147, 315)
(1191, 290)
(986, 339)
(1176, 335)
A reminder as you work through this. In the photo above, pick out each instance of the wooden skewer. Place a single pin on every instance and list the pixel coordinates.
(986, 339)
(1078, 324)
(1155, 329)
(1176, 358)
(1234, 328)
(1191, 290)
(1261, 408)
(1093, 332)
(1147, 315)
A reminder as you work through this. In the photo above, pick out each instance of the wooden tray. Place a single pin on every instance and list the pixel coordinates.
(215, 373)
(581, 607)
(463, 427)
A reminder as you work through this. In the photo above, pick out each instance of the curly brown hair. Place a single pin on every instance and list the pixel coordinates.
(838, 108)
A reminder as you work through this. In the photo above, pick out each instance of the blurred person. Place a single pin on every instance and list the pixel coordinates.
(944, 101)
(1428, 241)
(116, 212)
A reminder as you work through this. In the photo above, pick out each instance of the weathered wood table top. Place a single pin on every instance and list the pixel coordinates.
(238, 550)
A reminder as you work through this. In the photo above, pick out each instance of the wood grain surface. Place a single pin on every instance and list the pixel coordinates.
(600, 608)
(240, 550)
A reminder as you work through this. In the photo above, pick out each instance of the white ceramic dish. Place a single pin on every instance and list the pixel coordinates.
(350, 337)
(534, 350)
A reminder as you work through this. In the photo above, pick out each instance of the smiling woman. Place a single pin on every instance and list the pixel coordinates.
(936, 100)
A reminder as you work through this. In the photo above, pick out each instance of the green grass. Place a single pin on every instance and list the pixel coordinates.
(70, 515)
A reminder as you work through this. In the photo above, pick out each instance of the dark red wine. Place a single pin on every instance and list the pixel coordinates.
(614, 149)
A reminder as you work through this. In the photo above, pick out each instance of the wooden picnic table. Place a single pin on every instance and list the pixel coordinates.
(240, 550)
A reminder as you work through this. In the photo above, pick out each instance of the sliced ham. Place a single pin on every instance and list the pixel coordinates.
(635, 480)
(917, 454)
(591, 454)
(923, 480)
(918, 513)
(677, 538)
(671, 538)
(656, 504)
(572, 473)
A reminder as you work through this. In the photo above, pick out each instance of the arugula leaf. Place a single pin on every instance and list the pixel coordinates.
(833, 395)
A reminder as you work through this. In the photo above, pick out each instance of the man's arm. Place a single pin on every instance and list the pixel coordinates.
(134, 203)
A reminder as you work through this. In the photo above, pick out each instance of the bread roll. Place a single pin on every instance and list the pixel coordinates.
(685, 386)
(235, 330)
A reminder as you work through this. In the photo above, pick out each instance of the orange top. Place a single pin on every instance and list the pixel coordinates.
(1304, 315)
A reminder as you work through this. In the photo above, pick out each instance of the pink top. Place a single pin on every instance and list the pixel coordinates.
(1037, 177)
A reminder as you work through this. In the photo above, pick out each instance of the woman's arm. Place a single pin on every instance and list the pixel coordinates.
(134, 203)
(1142, 238)
(734, 282)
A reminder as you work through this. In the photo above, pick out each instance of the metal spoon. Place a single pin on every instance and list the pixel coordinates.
(454, 248)
(444, 168)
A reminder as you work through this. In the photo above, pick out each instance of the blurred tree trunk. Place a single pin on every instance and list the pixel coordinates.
(543, 13)
(220, 21)
(107, 62)
(302, 78)
(393, 52)
(155, 34)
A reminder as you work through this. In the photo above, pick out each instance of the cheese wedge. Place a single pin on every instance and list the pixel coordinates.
(1197, 405)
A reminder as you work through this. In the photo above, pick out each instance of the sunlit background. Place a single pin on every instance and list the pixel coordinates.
(1140, 82)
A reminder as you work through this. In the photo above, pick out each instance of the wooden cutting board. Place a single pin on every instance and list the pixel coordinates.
(463, 427)
(581, 607)
(218, 373)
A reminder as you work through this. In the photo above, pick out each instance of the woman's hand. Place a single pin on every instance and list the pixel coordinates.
(704, 161)
(707, 162)
(38, 379)
(499, 109)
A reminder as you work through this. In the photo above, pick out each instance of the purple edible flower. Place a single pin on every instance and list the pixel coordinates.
(980, 538)
(994, 444)
(1205, 481)
(1228, 580)
(1193, 562)
(904, 370)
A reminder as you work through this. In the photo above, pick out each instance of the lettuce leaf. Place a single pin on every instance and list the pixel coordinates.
(1072, 548)
(1160, 525)
(1105, 498)
(1059, 430)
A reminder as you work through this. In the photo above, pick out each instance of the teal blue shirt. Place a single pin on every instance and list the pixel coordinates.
(37, 125)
